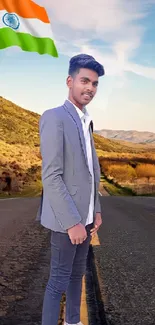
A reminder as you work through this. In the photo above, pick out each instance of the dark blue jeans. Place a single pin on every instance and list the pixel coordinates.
(68, 265)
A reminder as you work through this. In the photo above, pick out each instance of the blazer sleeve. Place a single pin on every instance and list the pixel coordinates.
(97, 204)
(97, 207)
(51, 146)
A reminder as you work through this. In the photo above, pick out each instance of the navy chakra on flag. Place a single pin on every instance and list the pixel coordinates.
(11, 20)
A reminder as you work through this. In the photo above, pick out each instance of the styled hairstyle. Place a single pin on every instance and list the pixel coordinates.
(85, 61)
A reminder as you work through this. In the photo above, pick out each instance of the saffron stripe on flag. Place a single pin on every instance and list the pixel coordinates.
(25, 9)
(27, 42)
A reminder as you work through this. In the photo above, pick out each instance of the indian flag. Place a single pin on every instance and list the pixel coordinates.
(25, 24)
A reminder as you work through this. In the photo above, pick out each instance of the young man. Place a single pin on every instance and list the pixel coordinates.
(70, 175)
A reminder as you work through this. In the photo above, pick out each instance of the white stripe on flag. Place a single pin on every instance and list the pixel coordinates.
(35, 27)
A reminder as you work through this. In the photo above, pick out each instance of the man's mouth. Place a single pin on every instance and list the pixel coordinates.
(87, 96)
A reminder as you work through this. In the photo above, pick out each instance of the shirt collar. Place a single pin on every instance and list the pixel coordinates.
(82, 113)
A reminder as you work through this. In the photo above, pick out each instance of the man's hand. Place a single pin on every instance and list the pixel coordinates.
(97, 224)
(77, 234)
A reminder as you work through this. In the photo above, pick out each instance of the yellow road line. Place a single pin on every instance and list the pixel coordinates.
(84, 310)
(95, 240)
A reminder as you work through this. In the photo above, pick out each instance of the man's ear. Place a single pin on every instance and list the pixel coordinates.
(69, 82)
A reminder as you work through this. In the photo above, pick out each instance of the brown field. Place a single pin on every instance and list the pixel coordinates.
(125, 164)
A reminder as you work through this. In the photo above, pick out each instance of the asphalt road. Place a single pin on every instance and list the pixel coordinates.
(126, 260)
(24, 262)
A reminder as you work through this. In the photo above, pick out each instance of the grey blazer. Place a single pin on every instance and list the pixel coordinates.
(65, 174)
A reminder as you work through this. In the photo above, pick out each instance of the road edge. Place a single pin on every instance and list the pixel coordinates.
(96, 312)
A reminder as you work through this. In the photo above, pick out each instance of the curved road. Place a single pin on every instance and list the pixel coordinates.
(125, 261)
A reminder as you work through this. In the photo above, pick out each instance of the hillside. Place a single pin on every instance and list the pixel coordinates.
(20, 160)
(131, 136)
(18, 125)
(120, 148)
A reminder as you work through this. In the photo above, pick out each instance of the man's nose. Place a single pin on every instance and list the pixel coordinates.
(90, 87)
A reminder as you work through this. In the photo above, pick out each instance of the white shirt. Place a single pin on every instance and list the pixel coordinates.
(86, 119)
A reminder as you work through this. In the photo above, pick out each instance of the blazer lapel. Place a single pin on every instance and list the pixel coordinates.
(72, 111)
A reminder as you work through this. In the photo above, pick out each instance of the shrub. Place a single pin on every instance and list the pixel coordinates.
(121, 172)
(145, 170)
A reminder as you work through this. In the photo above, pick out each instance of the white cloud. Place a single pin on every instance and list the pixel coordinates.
(147, 72)
(102, 16)
(116, 23)
(117, 67)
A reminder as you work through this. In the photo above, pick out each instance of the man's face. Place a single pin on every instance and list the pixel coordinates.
(83, 87)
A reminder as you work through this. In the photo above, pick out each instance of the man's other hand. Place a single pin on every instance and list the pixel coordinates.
(97, 224)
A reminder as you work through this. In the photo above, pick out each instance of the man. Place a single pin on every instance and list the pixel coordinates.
(70, 175)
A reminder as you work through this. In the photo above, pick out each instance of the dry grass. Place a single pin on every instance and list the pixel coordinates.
(125, 163)
(21, 155)
(19, 146)
(18, 125)
(122, 149)
(145, 170)
(123, 171)
(114, 188)
(20, 151)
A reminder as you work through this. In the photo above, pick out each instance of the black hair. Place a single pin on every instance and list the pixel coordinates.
(85, 61)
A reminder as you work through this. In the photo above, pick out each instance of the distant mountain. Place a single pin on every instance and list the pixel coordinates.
(130, 136)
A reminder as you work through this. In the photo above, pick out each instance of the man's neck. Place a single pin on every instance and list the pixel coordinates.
(76, 104)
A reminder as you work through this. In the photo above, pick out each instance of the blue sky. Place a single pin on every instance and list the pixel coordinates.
(118, 33)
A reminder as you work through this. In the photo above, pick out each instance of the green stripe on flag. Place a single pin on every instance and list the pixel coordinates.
(27, 42)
